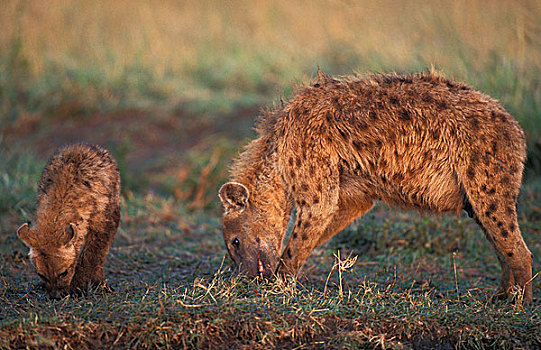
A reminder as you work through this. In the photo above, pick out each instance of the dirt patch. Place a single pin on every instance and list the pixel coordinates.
(143, 136)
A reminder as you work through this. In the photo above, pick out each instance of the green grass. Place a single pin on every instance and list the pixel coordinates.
(173, 285)
(173, 90)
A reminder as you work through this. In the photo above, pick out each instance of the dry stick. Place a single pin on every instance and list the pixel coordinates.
(520, 293)
(340, 292)
(328, 277)
(456, 279)
(343, 265)
(199, 200)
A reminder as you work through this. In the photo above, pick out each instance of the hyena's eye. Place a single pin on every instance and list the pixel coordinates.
(236, 243)
(63, 274)
(43, 277)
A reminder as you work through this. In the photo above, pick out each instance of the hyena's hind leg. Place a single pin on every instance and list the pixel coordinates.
(493, 202)
(507, 280)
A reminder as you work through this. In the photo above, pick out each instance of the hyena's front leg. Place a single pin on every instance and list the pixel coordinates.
(348, 210)
(311, 223)
(89, 270)
(314, 185)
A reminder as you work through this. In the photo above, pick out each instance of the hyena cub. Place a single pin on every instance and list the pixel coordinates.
(77, 216)
(414, 141)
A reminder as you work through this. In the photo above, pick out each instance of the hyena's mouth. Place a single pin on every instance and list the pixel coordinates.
(57, 293)
(264, 265)
(258, 266)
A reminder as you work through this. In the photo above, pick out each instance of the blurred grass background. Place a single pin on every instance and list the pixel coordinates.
(216, 55)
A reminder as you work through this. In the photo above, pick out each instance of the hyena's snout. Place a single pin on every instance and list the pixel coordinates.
(260, 264)
(57, 292)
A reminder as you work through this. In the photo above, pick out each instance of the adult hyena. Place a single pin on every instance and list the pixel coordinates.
(77, 216)
(415, 141)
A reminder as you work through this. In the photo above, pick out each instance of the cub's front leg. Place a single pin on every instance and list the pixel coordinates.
(89, 271)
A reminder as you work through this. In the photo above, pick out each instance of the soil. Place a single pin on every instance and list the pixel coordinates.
(143, 137)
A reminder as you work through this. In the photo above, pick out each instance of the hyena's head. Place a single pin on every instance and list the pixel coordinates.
(53, 254)
(253, 237)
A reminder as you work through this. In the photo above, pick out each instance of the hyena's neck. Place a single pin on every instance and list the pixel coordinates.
(257, 170)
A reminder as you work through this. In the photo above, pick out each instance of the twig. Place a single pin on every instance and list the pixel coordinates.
(456, 278)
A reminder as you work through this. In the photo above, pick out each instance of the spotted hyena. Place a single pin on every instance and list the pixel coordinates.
(413, 141)
(77, 216)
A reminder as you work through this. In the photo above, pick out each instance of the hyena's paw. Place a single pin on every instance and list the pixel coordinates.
(514, 294)
(91, 287)
(79, 289)
(500, 295)
(80, 284)
(285, 274)
(99, 284)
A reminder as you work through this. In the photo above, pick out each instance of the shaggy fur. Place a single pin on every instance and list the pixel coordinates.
(414, 141)
(77, 216)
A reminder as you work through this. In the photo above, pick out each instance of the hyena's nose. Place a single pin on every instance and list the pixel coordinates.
(56, 293)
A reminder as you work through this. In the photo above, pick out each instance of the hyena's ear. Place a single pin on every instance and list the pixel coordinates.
(26, 235)
(234, 196)
(67, 234)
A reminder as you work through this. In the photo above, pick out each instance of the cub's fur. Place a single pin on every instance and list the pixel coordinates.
(414, 141)
(78, 212)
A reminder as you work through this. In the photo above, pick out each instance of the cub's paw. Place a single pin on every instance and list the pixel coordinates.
(79, 285)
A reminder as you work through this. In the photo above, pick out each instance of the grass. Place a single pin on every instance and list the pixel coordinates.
(417, 282)
(173, 90)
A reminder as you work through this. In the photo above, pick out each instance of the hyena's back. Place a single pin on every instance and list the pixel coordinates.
(80, 179)
(417, 141)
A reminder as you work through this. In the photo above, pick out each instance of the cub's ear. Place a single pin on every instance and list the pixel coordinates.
(67, 233)
(26, 235)
(234, 196)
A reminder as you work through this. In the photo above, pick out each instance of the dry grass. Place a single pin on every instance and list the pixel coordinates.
(173, 37)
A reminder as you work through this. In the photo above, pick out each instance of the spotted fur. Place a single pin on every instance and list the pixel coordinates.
(414, 141)
(77, 216)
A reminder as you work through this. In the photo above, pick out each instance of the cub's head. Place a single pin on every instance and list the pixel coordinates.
(253, 236)
(53, 255)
